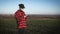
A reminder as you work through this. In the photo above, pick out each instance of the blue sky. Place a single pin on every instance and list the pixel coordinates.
(48, 7)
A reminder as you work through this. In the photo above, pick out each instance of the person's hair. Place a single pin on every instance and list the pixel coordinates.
(21, 6)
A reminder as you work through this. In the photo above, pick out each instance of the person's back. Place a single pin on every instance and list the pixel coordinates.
(21, 19)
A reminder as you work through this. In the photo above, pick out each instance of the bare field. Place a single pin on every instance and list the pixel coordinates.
(37, 24)
(37, 17)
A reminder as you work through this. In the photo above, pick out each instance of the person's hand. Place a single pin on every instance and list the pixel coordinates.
(24, 16)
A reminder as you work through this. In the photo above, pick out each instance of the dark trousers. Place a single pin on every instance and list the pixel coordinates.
(21, 31)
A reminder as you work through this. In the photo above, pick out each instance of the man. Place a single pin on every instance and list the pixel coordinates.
(21, 19)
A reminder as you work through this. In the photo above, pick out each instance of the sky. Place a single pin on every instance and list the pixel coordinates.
(44, 7)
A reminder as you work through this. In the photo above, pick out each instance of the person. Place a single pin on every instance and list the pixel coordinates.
(21, 19)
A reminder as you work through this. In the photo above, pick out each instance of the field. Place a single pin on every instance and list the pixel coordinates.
(35, 25)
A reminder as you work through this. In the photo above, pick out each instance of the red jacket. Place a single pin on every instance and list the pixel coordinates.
(20, 18)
